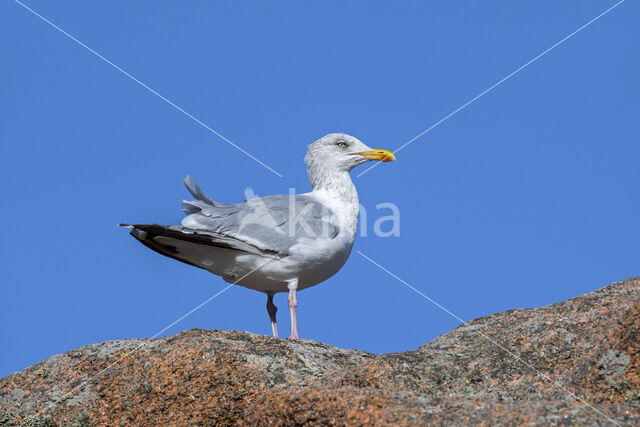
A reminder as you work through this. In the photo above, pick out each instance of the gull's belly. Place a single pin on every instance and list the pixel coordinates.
(310, 262)
(317, 260)
(317, 269)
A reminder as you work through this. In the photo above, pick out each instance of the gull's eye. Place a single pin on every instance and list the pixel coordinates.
(342, 144)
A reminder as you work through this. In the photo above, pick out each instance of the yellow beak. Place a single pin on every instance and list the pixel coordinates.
(378, 154)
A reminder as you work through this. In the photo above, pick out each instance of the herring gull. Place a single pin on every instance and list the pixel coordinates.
(279, 243)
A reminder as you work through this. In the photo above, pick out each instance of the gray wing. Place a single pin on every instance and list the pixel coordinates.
(271, 224)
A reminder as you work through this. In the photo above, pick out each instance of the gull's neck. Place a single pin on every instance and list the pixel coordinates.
(337, 190)
(337, 184)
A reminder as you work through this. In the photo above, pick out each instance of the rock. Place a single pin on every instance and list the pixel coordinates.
(575, 362)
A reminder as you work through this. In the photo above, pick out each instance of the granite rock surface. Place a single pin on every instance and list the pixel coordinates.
(570, 363)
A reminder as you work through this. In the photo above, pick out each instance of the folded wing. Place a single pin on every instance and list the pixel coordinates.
(269, 225)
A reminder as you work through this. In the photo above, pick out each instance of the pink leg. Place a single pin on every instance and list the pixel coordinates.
(293, 303)
(272, 309)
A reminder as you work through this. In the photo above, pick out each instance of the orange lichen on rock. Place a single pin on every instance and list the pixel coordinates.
(516, 367)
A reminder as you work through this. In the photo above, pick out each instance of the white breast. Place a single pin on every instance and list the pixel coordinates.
(322, 258)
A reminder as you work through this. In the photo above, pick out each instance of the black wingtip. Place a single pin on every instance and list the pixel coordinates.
(129, 226)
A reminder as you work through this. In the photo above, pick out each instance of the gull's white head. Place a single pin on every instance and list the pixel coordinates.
(330, 158)
(342, 152)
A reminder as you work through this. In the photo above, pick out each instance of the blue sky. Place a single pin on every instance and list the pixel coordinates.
(528, 196)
